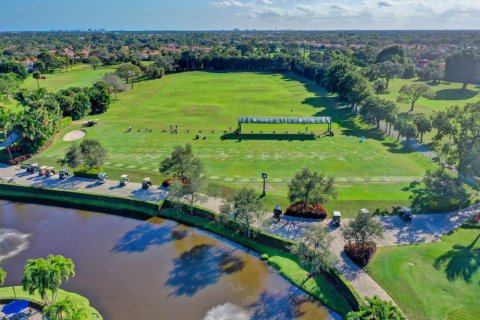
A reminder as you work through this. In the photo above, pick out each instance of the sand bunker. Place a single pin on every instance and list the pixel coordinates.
(74, 135)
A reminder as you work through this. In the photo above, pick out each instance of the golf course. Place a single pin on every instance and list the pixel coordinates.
(433, 280)
(208, 104)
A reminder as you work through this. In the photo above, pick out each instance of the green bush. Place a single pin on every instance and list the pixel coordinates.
(264, 257)
(90, 173)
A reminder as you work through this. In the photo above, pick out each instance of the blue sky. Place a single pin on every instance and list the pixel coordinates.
(228, 14)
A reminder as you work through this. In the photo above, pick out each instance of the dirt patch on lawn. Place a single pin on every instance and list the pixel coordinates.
(74, 135)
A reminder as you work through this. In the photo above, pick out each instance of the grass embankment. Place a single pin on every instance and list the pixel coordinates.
(8, 294)
(206, 101)
(437, 281)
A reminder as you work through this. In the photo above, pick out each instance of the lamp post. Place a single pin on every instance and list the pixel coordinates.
(264, 177)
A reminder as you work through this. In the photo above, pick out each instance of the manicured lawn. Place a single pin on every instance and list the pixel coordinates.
(433, 281)
(92, 314)
(80, 75)
(208, 104)
(448, 94)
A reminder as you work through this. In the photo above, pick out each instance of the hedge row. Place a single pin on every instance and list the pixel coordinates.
(80, 200)
(89, 173)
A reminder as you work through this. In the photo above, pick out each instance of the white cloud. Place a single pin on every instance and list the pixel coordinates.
(351, 14)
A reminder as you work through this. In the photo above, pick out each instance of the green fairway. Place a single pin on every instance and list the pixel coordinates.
(438, 281)
(207, 104)
(80, 75)
(447, 94)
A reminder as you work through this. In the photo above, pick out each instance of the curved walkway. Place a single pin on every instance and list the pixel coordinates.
(423, 228)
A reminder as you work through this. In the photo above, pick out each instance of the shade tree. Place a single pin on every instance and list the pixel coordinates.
(412, 92)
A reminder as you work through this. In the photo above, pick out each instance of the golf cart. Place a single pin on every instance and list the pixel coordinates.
(32, 167)
(89, 123)
(337, 219)
(277, 212)
(7, 180)
(146, 183)
(124, 180)
(364, 211)
(51, 171)
(102, 177)
(42, 172)
(406, 214)
(63, 174)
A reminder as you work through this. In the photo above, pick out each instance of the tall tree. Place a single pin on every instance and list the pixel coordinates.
(375, 109)
(73, 157)
(115, 82)
(93, 153)
(95, 62)
(37, 75)
(182, 163)
(9, 84)
(411, 93)
(423, 125)
(245, 208)
(458, 137)
(311, 187)
(47, 275)
(129, 73)
(363, 229)
(376, 309)
(463, 67)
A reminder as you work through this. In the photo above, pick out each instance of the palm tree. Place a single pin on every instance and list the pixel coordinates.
(3, 275)
(59, 310)
(44, 275)
(37, 76)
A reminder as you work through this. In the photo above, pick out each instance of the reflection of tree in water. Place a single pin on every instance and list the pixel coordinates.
(179, 234)
(278, 306)
(201, 266)
(462, 261)
(142, 238)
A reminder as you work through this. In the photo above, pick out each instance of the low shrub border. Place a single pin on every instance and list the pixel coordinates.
(321, 287)
(312, 211)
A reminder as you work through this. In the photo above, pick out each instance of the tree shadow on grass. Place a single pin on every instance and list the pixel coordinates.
(462, 262)
(455, 94)
(142, 238)
(340, 112)
(200, 267)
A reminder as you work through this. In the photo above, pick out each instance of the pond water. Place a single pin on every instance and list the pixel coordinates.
(154, 269)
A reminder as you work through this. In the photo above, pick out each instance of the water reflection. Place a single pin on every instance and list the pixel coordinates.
(151, 270)
(142, 238)
(201, 266)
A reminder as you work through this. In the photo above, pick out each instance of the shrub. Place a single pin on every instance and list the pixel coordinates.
(90, 173)
(19, 159)
(312, 211)
(167, 182)
(361, 256)
(264, 257)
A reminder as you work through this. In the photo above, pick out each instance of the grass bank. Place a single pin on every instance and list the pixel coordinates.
(7, 294)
